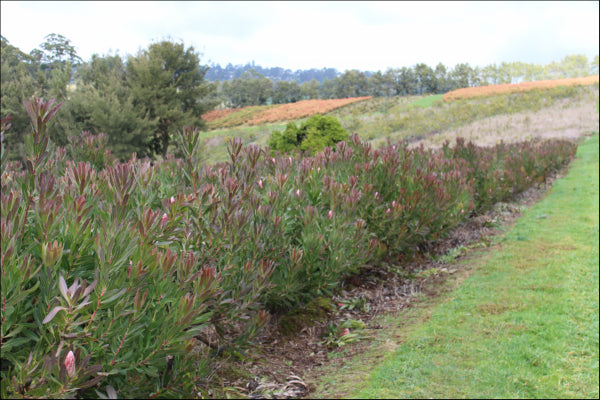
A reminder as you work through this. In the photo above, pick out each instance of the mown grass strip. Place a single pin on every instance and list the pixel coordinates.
(424, 102)
(525, 324)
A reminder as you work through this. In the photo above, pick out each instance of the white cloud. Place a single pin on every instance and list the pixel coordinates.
(342, 35)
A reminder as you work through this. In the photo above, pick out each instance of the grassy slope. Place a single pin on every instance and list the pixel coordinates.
(526, 323)
(397, 118)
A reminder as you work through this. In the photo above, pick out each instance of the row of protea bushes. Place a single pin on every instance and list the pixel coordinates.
(110, 270)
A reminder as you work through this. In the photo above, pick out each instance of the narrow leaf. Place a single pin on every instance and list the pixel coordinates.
(110, 391)
(52, 313)
(89, 289)
(62, 286)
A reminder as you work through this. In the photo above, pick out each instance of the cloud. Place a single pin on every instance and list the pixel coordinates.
(343, 35)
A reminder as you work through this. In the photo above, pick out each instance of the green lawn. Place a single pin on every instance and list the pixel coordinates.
(523, 325)
(425, 102)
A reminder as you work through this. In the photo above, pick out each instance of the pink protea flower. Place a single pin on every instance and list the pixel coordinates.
(330, 214)
(260, 183)
(70, 364)
(172, 199)
(298, 193)
(345, 332)
(164, 220)
(340, 304)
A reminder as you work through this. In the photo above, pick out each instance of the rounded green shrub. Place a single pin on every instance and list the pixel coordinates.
(313, 135)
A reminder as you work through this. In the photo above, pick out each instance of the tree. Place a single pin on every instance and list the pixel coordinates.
(574, 66)
(389, 83)
(103, 103)
(425, 77)
(57, 50)
(505, 73)
(377, 85)
(533, 72)
(441, 80)
(352, 83)
(406, 82)
(462, 76)
(257, 87)
(250, 89)
(17, 84)
(327, 89)
(489, 75)
(286, 92)
(310, 90)
(168, 88)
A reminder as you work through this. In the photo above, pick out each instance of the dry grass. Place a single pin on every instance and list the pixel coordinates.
(257, 115)
(567, 119)
(301, 109)
(466, 93)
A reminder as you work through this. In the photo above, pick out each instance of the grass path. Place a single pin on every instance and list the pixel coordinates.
(524, 324)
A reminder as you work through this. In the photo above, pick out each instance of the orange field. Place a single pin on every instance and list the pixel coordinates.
(516, 87)
(214, 115)
(255, 115)
(301, 109)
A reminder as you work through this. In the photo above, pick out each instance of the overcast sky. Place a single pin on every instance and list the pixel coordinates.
(367, 36)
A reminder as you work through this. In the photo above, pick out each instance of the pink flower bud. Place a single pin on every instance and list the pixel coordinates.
(376, 194)
(164, 220)
(260, 183)
(330, 214)
(388, 211)
(345, 332)
(172, 200)
(298, 193)
(70, 364)
(340, 304)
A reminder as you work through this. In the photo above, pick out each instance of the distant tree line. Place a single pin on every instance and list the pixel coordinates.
(140, 101)
(253, 88)
(230, 71)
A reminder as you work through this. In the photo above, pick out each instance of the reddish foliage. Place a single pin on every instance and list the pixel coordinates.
(301, 109)
(284, 112)
(214, 115)
(466, 93)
